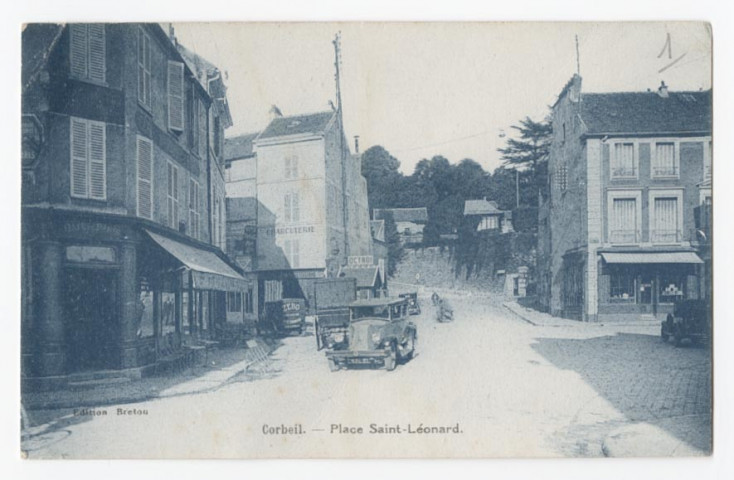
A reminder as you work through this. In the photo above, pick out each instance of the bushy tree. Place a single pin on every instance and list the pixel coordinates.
(529, 153)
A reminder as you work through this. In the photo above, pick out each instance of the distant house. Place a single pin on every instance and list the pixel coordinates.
(409, 222)
(489, 216)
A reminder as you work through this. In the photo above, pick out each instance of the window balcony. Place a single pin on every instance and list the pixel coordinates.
(623, 237)
(669, 171)
(665, 236)
(624, 172)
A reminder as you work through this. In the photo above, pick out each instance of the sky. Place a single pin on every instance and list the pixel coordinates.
(455, 89)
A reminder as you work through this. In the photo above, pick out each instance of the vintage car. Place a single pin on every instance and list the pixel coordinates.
(690, 320)
(379, 333)
(414, 307)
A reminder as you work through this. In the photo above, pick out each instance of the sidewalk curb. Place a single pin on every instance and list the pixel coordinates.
(265, 347)
(520, 311)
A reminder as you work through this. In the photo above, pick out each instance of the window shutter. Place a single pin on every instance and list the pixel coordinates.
(78, 51)
(79, 173)
(145, 178)
(97, 161)
(296, 213)
(176, 187)
(96, 52)
(143, 68)
(176, 95)
(202, 128)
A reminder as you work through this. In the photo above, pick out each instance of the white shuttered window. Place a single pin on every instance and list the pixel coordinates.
(665, 163)
(145, 177)
(87, 52)
(88, 159)
(623, 160)
(172, 196)
(291, 207)
(194, 208)
(624, 221)
(665, 226)
(175, 95)
(144, 68)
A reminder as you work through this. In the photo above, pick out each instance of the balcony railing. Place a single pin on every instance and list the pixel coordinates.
(665, 236)
(624, 172)
(670, 171)
(623, 236)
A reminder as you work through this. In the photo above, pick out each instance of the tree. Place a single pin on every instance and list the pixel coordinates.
(533, 146)
(381, 170)
(395, 251)
(529, 153)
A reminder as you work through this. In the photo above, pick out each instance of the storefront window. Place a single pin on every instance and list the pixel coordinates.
(622, 288)
(185, 320)
(145, 327)
(168, 313)
(671, 289)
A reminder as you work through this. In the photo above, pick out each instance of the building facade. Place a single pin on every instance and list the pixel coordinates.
(310, 200)
(627, 171)
(122, 172)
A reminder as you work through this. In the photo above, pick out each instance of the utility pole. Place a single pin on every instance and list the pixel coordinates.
(342, 153)
(517, 188)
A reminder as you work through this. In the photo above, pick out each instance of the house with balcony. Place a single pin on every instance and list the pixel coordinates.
(123, 192)
(628, 171)
(487, 216)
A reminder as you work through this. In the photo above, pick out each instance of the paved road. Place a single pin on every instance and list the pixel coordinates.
(513, 390)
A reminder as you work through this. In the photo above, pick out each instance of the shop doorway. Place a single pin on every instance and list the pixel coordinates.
(92, 326)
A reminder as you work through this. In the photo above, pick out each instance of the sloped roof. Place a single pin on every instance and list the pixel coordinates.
(365, 276)
(38, 39)
(481, 207)
(377, 227)
(313, 123)
(239, 209)
(210, 78)
(416, 215)
(239, 147)
(646, 113)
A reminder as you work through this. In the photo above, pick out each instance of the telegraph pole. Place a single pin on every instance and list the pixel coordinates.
(342, 153)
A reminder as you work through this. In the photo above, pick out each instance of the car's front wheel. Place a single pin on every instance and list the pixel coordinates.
(392, 358)
(410, 347)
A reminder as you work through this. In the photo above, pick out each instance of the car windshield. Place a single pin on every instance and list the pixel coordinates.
(379, 311)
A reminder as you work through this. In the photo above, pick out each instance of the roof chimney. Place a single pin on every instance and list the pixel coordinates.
(356, 144)
(275, 112)
(663, 90)
(575, 90)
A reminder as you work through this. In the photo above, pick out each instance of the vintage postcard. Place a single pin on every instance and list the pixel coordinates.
(366, 240)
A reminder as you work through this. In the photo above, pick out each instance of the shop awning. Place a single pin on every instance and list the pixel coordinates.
(208, 271)
(651, 257)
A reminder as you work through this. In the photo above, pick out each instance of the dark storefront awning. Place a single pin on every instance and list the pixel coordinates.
(651, 257)
(208, 271)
